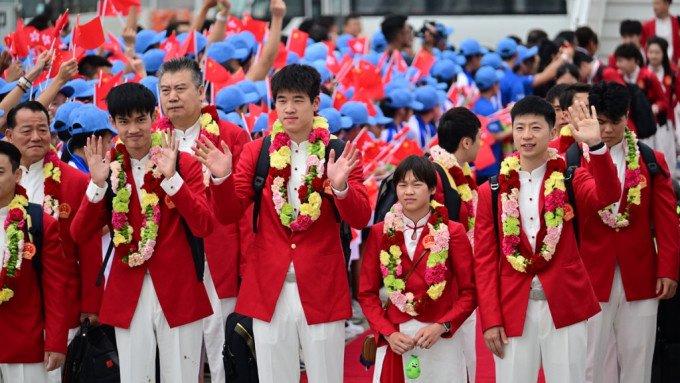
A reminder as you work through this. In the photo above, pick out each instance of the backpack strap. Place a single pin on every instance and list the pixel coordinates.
(495, 186)
(451, 197)
(261, 172)
(573, 155)
(569, 185)
(35, 211)
(649, 158)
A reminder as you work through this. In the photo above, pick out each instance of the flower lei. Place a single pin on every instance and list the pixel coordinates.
(122, 189)
(556, 211)
(18, 244)
(437, 242)
(460, 178)
(314, 180)
(634, 182)
(52, 175)
(208, 122)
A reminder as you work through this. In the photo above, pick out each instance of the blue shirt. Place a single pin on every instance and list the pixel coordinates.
(485, 107)
(528, 84)
(512, 87)
(426, 130)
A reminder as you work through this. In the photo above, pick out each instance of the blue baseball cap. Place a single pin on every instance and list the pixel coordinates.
(471, 47)
(325, 101)
(201, 41)
(453, 56)
(261, 123)
(38, 89)
(235, 119)
(427, 96)
(151, 83)
(147, 38)
(316, 51)
(117, 66)
(486, 77)
(82, 88)
(320, 66)
(293, 58)
(221, 52)
(525, 53)
(397, 82)
(250, 40)
(89, 119)
(153, 59)
(229, 98)
(507, 48)
(242, 48)
(358, 112)
(380, 118)
(445, 70)
(493, 60)
(252, 93)
(336, 121)
(402, 98)
(61, 120)
(378, 42)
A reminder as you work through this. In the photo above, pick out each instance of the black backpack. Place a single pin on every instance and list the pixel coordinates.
(260, 179)
(92, 356)
(238, 355)
(387, 196)
(641, 112)
(195, 243)
(35, 211)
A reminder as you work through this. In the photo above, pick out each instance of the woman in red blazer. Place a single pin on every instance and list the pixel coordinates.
(425, 263)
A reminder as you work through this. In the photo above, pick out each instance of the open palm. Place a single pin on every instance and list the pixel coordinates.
(338, 170)
(218, 162)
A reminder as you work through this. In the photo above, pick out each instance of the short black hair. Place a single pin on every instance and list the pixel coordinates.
(422, 168)
(129, 98)
(566, 35)
(517, 39)
(568, 68)
(610, 99)
(629, 51)
(535, 37)
(392, 25)
(585, 35)
(567, 97)
(89, 66)
(180, 64)
(12, 152)
(555, 92)
(32, 105)
(630, 27)
(297, 78)
(351, 16)
(456, 124)
(581, 57)
(536, 106)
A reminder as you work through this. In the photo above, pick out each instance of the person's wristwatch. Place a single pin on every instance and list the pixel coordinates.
(447, 327)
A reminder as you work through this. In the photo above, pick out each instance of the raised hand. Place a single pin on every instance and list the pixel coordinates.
(67, 70)
(166, 159)
(41, 63)
(129, 37)
(338, 171)
(218, 162)
(584, 124)
(277, 8)
(98, 160)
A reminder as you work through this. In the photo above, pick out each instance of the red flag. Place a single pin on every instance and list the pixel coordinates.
(485, 155)
(59, 58)
(60, 24)
(359, 45)
(405, 149)
(399, 62)
(89, 35)
(281, 57)
(104, 86)
(297, 42)
(238, 76)
(215, 72)
(189, 45)
(234, 24)
(362, 97)
(255, 110)
(19, 41)
(423, 62)
(339, 99)
(116, 7)
(172, 47)
(367, 81)
(256, 27)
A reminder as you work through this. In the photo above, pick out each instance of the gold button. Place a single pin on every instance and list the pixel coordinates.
(293, 246)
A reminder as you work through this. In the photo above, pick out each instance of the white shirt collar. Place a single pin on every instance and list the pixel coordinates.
(632, 79)
(301, 145)
(141, 161)
(539, 172)
(192, 130)
(33, 167)
(421, 222)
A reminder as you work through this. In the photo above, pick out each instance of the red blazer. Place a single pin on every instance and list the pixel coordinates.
(181, 295)
(316, 253)
(86, 253)
(33, 323)
(649, 83)
(453, 306)
(503, 293)
(649, 30)
(633, 247)
(222, 248)
(463, 214)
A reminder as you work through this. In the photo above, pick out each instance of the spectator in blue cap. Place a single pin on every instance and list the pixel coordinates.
(511, 85)
(60, 122)
(325, 101)
(147, 39)
(398, 105)
(445, 71)
(221, 51)
(200, 40)
(83, 90)
(358, 113)
(87, 120)
(260, 126)
(422, 123)
(316, 51)
(342, 43)
(252, 93)
(90, 66)
(380, 120)
(473, 51)
(151, 83)
(153, 59)
(336, 121)
(396, 32)
(434, 35)
(232, 99)
(487, 80)
(493, 60)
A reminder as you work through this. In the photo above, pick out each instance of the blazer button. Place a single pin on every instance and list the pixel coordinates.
(293, 246)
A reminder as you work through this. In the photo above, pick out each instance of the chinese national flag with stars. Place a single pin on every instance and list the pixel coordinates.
(89, 35)
(104, 86)
(215, 72)
(297, 42)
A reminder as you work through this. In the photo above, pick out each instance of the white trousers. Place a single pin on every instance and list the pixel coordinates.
(467, 336)
(621, 338)
(277, 344)
(23, 373)
(179, 347)
(213, 328)
(561, 352)
(442, 363)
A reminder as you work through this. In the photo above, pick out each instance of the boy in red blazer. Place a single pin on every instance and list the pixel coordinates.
(663, 25)
(294, 284)
(153, 296)
(32, 305)
(433, 295)
(533, 290)
(630, 249)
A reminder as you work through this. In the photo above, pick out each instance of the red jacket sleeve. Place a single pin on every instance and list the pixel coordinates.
(486, 262)
(355, 208)
(89, 220)
(663, 215)
(370, 282)
(460, 257)
(232, 197)
(655, 93)
(191, 200)
(90, 262)
(599, 186)
(55, 273)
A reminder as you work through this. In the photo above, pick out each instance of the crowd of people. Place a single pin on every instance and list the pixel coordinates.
(156, 182)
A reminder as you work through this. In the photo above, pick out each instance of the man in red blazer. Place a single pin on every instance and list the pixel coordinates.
(533, 289)
(295, 283)
(663, 25)
(181, 87)
(32, 305)
(153, 296)
(630, 249)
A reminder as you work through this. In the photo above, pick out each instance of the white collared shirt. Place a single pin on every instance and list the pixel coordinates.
(632, 78)
(33, 180)
(529, 194)
(618, 154)
(664, 29)
(187, 138)
(3, 216)
(412, 244)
